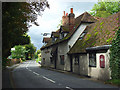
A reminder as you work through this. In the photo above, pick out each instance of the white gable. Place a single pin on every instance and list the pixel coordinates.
(77, 34)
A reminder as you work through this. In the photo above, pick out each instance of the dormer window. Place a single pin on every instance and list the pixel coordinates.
(62, 35)
(82, 35)
(65, 34)
(53, 39)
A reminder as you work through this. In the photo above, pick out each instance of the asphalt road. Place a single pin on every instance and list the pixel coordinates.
(30, 75)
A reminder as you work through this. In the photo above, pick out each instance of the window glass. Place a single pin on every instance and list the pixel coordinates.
(92, 60)
(76, 60)
(62, 59)
(51, 60)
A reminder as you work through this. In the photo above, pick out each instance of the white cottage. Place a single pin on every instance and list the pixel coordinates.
(55, 53)
(90, 54)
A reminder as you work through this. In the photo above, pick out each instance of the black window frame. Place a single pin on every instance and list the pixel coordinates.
(51, 60)
(62, 57)
(76, 60)
(43, 60)
(92, 58)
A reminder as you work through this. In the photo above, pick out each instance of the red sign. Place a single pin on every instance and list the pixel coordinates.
(102, 61)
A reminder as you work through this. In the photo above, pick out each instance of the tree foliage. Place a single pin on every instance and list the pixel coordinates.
(18, 52)
(104, 8)
(115, 56)
(16, 19)
(31, 51)
(38, 52)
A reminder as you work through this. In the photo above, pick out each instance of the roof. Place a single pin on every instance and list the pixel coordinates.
(83, 18)
(46, 39)
(55, 34)
(103, 47)
(99, 33)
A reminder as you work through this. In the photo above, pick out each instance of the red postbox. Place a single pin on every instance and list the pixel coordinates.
(102, 61)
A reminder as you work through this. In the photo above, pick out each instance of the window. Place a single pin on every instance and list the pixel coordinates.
(51, 60)
(92, 60)
(43, 60)
(62, 59)
(61, 35)
(76, 60)
(82, 35)
(53, 39)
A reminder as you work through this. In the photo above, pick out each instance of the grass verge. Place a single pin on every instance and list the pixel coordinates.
(114, 82)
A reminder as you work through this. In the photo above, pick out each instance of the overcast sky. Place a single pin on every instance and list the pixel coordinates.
(51, 17)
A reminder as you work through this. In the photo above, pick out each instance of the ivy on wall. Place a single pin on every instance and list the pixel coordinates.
(115, 56)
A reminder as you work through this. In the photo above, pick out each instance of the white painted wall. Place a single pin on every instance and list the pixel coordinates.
(46, 56)
(77, 34)
(63, 50)
(100, 73)
(82, 68)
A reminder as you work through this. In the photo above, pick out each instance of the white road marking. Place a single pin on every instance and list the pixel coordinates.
(28, 64)
(48, 79)
(69, 88)
(35, 73)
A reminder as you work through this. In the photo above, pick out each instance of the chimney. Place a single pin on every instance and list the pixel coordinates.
(71, 19)
(65, 19)
(64, 13)
(71, 10)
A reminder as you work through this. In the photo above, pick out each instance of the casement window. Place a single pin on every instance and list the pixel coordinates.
(51, 60)
(82, 35)
(62, 59)
(61, 35)
(76, 60)
(53, 39)
(92, 59)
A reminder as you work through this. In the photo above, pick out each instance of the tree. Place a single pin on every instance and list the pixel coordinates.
(18, 52)
(16, 19)
(38, 52)
(115, 56)
(104, 8)
(31, 51)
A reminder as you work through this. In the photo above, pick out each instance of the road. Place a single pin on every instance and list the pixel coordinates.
(29, 75)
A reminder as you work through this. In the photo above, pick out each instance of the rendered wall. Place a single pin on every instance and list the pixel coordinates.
(98, 72)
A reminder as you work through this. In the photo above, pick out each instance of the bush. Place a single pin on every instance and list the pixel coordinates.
(115, 57)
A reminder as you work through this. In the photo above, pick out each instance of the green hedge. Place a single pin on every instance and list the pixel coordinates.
(115, 56)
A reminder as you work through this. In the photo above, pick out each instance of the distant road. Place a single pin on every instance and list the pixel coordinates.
(30, 75)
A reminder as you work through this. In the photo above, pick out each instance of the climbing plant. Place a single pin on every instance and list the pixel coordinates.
(115, 56)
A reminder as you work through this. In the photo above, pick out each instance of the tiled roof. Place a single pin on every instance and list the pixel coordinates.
(85, 17)
(46, 39)
(55, 34)
(100, 33)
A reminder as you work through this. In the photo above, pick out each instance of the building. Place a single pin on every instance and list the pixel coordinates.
(82, 45)
(54, 54)
(90, 54)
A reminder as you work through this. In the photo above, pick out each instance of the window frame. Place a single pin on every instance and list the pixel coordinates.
(76, 60)
(62, 57)
(51, 60)
(92, 58)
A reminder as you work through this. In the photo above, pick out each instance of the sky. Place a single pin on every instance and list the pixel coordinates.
(52, 17)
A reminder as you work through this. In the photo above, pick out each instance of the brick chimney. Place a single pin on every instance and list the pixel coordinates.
(65, 19)
(71, 19)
